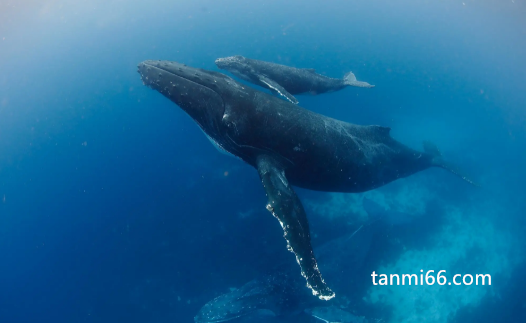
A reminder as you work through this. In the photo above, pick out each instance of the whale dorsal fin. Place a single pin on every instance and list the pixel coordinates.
(312, 70)
(285, 205)
(381, 131)
(277, 88)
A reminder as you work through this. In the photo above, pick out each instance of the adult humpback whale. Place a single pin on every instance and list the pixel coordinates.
(285, 80)
(288, 145)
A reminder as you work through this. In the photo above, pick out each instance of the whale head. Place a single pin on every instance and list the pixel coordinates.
(232, 62)
(237, 65)
(200, 93)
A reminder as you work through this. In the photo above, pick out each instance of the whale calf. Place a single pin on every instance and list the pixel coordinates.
(287, 145)
(285, 80)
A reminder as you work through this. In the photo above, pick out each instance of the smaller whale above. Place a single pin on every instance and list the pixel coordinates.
(285, 80)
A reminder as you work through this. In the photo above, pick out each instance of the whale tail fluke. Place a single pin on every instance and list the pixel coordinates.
(350, 80)
(438, 161)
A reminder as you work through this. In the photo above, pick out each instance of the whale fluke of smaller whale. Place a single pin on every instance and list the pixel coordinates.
(285, 80)
(350, 80)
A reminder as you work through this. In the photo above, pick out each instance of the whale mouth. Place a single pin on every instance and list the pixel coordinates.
(194, 90)
(153, 73)
(225, 62)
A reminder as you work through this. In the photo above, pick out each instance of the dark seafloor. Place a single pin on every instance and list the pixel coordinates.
(115, 208)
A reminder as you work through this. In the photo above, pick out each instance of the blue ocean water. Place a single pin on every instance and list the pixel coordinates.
(115, 207)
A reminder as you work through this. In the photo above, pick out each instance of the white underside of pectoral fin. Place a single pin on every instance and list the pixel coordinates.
(218, 146)
(279, 89)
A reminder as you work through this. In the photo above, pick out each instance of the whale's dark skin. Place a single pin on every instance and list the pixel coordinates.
(288, 145)
(285, 80)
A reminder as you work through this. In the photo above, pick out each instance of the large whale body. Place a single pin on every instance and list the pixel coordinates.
(288, 145)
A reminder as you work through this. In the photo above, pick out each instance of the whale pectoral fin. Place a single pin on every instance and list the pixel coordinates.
(285, 205)
(276, 88)
(379, 131)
